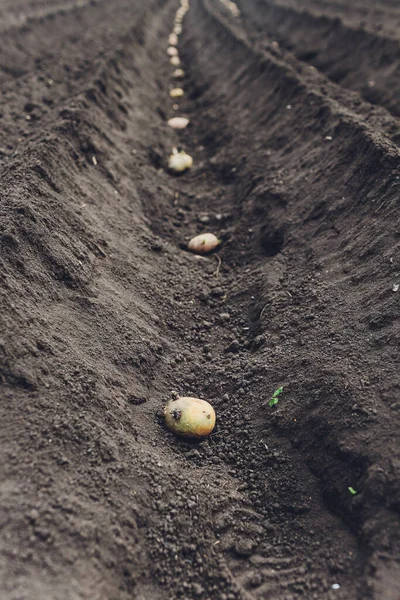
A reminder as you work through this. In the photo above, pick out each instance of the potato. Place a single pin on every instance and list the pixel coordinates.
(179, 162)
(189, 417)
(173, 39)
(178, 122)
(177, 30)
(176, 93)
(203, 243)
(178, 74)
(175, 61)
(172, 51)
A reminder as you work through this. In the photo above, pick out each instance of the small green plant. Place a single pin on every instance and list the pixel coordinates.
(352, 491)
(274, 400)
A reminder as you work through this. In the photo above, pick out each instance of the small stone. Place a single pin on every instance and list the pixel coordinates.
(225, 317)
(244, 547)
(33, 515)
(256, 580)
(197, 589)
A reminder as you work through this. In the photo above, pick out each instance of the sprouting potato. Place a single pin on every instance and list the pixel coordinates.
(175, 61)
(189, 417)
(203, 243)
(178, 122)
(176, 93)
(172, 51)
(179, 162)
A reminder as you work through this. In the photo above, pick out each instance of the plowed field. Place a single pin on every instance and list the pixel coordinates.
(294, 129)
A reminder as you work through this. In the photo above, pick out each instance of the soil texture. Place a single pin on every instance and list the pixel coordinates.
(294, 130)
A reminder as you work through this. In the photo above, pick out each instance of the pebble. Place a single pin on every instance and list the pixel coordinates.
(33, 515)
(217, 292)
(244, 547)
(197, 589)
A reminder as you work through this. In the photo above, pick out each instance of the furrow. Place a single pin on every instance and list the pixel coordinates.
(351, 55)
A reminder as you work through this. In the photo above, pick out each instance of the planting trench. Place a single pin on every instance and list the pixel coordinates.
(104, 313)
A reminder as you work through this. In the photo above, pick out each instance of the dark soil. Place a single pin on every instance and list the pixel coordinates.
(104, 312)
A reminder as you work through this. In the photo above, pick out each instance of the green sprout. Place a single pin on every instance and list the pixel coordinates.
(352, 491)
(274, 400)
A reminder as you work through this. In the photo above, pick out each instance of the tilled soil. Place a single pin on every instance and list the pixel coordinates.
(294, 130)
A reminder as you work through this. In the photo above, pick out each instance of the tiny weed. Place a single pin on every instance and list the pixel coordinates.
(352, 491)
(274, 400)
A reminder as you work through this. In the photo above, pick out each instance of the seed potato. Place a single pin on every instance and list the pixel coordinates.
(178, 122)
(189, 417)
(176, 93)
(180, 162)
(203, 243)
